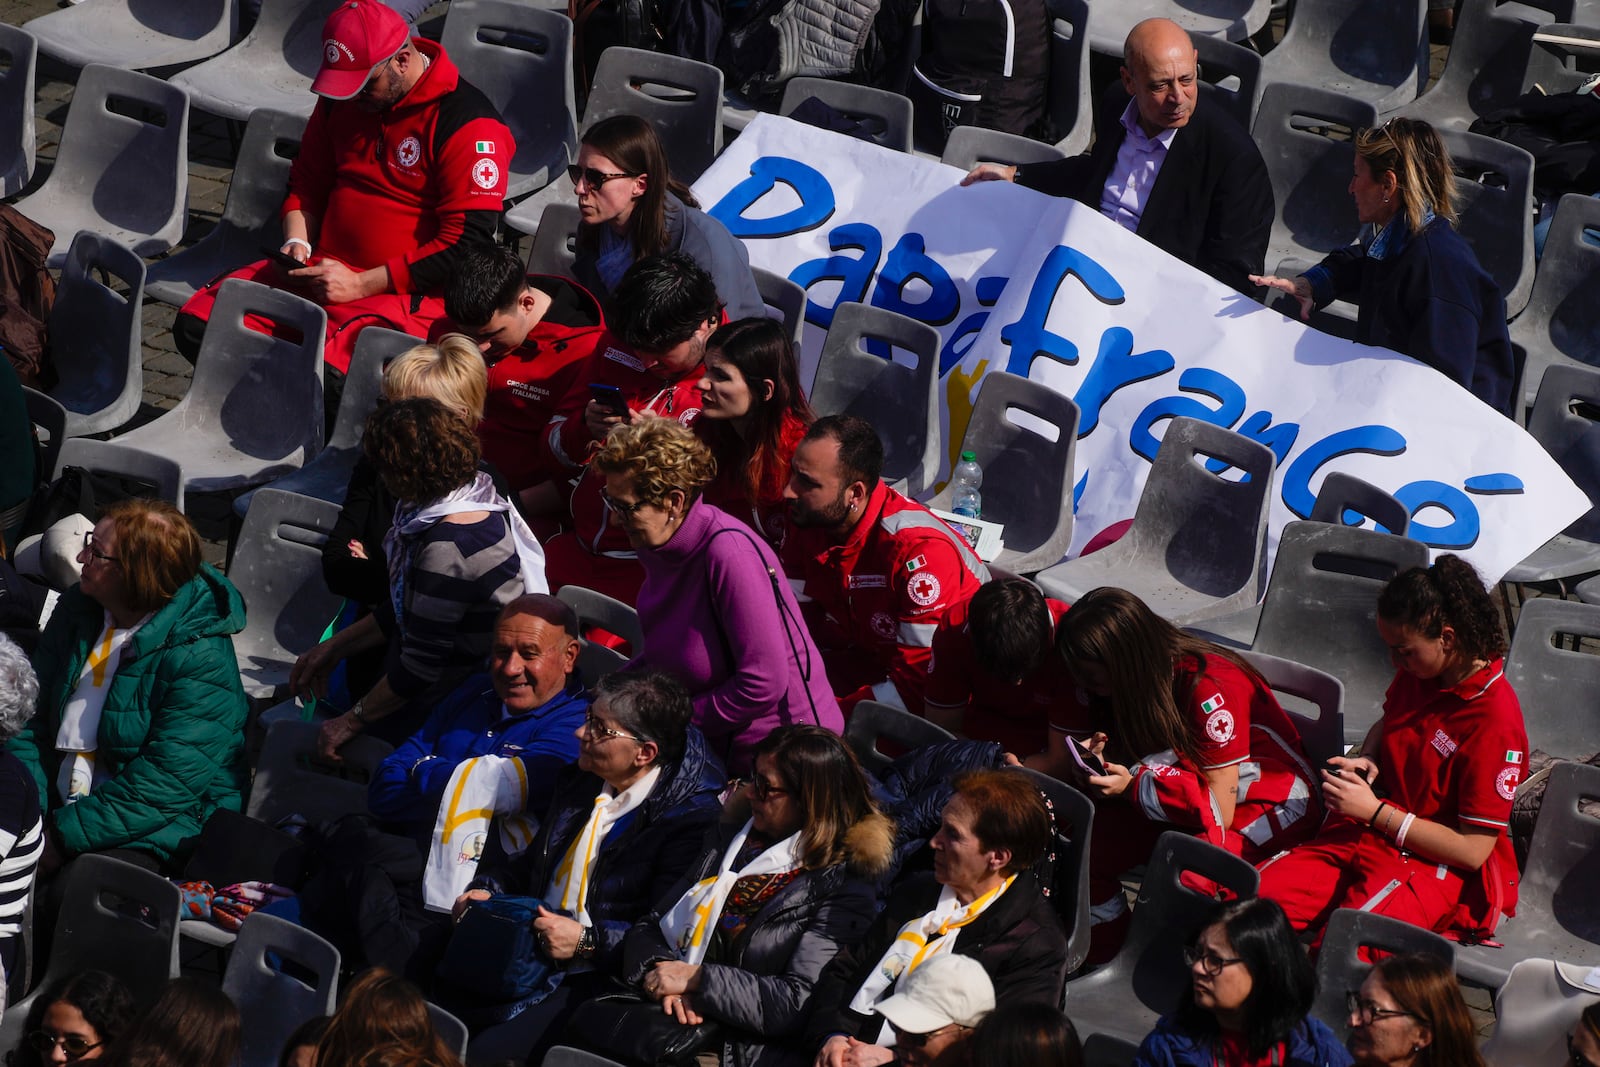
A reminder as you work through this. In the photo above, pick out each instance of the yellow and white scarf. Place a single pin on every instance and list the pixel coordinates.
(78, 736)
(688, 925)
(479, 789)
(569, 887)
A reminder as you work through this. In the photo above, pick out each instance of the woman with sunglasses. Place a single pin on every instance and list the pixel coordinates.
(630, 207)
(744, 935)
(625, 824)
(1419, 288)
(1409, 1013)
(1250, 991)
(77, 1019)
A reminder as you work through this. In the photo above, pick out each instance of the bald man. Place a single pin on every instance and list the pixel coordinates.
(1180, 173)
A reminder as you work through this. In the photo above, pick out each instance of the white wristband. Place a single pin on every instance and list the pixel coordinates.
(301, 241)
(1405, 824)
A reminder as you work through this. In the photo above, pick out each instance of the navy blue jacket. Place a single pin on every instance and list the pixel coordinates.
(1310, 1045)
(411, 782)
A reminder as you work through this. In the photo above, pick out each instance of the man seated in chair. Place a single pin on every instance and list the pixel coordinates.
(877, 573)
(402, 169)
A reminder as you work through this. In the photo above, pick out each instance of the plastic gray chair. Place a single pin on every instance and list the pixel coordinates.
(327, 477)
(681, 97)
(1027, 478)
(1322, 736)
(89, 187)
(249, 224)
(1198, 540)
(520, 56)
(137, 34)
(1561, 324)
(1553, 682)
(554, 242)
(566, 1056)
(163, 474)
(1310, 172)
(872, 721)
(273, 1001)
(1376, 50)
(901, 402)
(1558, 423)
(49, 420)
(1494, 201)
(1073, 815)
(271, 68)
(1343, 495)
(452, 1031)
(785, 302)
(1232, 20)
(886, 116)
(1103, 1050)
(1341, 970)
(95, 335)
(968, 146)
(277, 568)
(1558, 916)
(1230, 76)
(1486, 66)
(611, 615)
(1071, 108)
(1558, 66)
(19, 55)
(1124, 998)
(595, 661)
(254, 409)
(291, 779)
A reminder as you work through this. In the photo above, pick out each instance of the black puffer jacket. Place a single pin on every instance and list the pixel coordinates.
(914, 789)
(761, 991)
(640, 860)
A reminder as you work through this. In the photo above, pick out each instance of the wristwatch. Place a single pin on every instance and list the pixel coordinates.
(355, 710)
(586, 943)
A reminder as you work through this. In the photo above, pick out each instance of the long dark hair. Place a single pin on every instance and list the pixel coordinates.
(193, 1024)
(1283, 982)
(758, 348)
(1426, 987)
(383, 1022)
(828, 783)
(633, 145)
(1026, 1035)
(103, 1001)
(1449, 593)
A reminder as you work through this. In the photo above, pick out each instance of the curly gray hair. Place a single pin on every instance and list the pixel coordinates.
(19, 689)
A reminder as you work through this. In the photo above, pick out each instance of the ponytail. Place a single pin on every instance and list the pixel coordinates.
(1449, 593)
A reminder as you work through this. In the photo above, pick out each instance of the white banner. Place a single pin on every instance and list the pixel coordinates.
(1048, 289)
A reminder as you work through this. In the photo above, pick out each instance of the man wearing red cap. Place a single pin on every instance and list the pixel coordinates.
(402, 169)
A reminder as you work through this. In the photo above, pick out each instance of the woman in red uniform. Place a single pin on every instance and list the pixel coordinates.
(1417, 824)
(1203, 746)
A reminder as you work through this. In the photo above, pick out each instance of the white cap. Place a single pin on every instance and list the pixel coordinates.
(945, 990)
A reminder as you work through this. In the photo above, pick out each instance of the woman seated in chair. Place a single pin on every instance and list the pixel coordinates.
(1417, 819)
(1409, 1013)
(382, 1020)
(715, 607)
(982, 901)
(192, 1023)
(630, 207)
(1420, 288)
(140, 731)
(1191, 738)
(1250, 991)
(743, 937)
(77, 1019)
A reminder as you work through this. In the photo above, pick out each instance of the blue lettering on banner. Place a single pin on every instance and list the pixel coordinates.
(1377, 440)
(988, 292)
(1219, 387)
(1114, 367)
(908, 260)
(1028, 336)
(1493, 485)
(853, 273)
(1279, 438)
(816, 200)
(1462, 530)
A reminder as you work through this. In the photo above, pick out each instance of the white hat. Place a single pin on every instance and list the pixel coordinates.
(946, 990)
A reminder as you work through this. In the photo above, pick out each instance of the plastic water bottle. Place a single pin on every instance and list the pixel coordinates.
(967, 478)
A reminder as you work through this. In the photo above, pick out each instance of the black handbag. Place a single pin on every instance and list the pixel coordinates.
(494, 954)
(632, 1029)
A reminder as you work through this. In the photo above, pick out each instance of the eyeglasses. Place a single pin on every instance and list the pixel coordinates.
(592, 727)
(88, 543)
(1368, 1012)
(761, 790)
(902, 1039)
(1577, 1058)
(1209, 961)
(594, 178)
(622, 507)
(74, 1045)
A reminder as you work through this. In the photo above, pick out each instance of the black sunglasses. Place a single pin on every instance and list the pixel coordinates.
(594, 178)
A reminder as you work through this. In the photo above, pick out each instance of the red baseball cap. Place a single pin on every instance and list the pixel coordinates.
(357, 39)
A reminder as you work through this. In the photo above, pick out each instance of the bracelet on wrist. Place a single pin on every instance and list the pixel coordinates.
(1372, 823)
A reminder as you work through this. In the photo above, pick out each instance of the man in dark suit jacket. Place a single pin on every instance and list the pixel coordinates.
(1186, 178)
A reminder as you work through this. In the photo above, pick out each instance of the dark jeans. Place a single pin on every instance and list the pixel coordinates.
(528, 1036)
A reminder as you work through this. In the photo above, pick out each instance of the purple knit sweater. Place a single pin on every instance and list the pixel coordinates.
(710, 617)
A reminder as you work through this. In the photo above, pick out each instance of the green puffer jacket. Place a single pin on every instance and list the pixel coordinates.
(172, 733)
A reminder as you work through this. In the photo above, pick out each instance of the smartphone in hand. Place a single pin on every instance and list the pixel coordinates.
(610, 398)
(283, 260)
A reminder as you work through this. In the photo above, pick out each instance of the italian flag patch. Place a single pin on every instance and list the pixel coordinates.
(1212, 704)
(485, 148)
(1513, 757)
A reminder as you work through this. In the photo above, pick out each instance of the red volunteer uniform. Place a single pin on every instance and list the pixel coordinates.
(1453, 756)
(876, 600)
(1014, 714)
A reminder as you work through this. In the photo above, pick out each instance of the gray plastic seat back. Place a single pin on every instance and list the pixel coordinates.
(163, 475)
(872, 722)
(1027, 477)
(89, 187)
(1562, 416)
(291, 778)
(1073, 816)
(137, 34)
(1341, 970)
(681, 97)
(785, 302)
(1562, 67)
(271, 1000)
(1373, 49)
(1494, 202)
(1071, 110)
(968, 146)
(901, 402)
(452, 1031)
(49, 420)
(1230, 76)
(1562, 320)
(520, 56)
(1344, 496)
(271, 68)
(19, 56)
(1310, 172)
(1147, 976)
(885, 116)
(1103, 1050)
(1322, 736)
(1552, 682)
(249, 224)
(595, 661)
(566, 1056)
(555, 244)
(95, 334)
(96, 930)
(1488, 61)
(1321, 609)
(597, 609)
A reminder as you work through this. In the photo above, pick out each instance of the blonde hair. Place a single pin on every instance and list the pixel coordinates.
(659, 455)
(1413, 150)
(451, 372)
